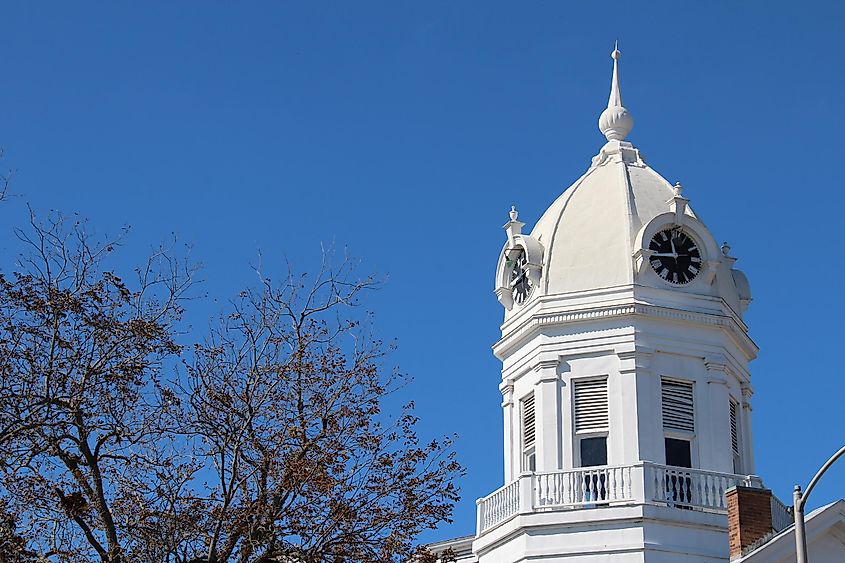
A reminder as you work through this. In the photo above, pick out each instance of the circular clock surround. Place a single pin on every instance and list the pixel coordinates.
(675, 255)
(520, 282)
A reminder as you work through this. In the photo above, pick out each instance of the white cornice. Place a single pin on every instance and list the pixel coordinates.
(537, 322)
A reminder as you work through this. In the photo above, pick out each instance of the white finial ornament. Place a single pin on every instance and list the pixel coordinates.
(677, 188)
(513, 227)
(615, 122)
(726, 249)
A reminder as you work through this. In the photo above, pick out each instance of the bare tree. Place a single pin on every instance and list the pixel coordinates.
(83, 412)
(286, 401)
(270, 444)
(5, 181)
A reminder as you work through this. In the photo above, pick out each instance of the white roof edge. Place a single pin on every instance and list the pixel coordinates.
(453, 542)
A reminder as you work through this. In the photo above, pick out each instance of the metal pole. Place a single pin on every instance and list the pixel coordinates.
(798, 514)
(799, 499)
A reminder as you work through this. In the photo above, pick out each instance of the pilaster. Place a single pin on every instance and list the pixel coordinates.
(547, 402)
(630, 394)
(747, 438)
(512, 457)
(713, 418)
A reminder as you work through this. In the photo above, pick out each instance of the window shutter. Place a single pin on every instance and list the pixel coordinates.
(590, 405)
(678, 411)
(734, 430)
(528, 424)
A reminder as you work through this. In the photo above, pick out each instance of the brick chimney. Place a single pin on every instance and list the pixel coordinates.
(749, 517)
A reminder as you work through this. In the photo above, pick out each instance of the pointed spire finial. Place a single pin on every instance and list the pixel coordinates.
(615, 95)
(615, 122)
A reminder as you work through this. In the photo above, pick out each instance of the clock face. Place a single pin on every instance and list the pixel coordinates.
(521, 284)
(675, 256)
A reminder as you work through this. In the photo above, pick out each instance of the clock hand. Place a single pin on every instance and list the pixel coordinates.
(662, 254)
(672, 242)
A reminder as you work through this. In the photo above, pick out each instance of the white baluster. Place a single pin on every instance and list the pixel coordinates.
(716, 500)
(708, 499)
(542, 490)
(579, 487)
(559, 488)
(698, 498)
(718, 491)
(612, 493)
(510, 499)
(659, 491)
(540, 498)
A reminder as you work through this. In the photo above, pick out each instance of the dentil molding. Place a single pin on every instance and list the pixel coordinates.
(651, 311)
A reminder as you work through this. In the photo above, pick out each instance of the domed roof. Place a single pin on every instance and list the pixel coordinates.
(597, 235)
(588, 232)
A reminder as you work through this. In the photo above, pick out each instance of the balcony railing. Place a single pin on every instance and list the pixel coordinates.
(590, 487)
(498, 506)
(583, 487)
(782, 515)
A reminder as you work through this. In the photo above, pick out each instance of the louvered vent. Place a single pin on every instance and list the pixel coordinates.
(528, 426)
(678, 411)
(590, 405)
(734, 430)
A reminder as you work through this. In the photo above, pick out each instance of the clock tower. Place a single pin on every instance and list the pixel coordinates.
(625, 384)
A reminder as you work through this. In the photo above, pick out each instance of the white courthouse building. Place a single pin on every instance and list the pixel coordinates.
(626, 391)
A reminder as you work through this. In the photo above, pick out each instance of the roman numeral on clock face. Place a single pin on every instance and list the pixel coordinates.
(676, 256)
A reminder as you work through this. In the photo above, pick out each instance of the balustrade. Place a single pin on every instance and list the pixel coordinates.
(498, 506)
(782, 516)
(589, 486)
(693, 488)
(596, 487)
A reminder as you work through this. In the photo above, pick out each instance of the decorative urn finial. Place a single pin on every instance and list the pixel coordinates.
(615, 122)
(514, 213)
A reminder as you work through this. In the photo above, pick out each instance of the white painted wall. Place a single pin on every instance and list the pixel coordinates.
(633, 349)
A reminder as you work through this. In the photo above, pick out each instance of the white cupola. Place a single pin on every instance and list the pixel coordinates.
(596, 234)
(625, 382)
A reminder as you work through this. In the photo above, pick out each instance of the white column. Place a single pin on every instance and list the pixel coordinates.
(714, 420)
(746, 441)
(547, 403)
(512, 457)
(567, 437)
(634, 429)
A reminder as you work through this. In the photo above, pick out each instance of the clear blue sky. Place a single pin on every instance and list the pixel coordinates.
(405, 130)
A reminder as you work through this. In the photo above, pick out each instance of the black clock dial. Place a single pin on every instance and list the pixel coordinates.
(675, 256)
(521, 284)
